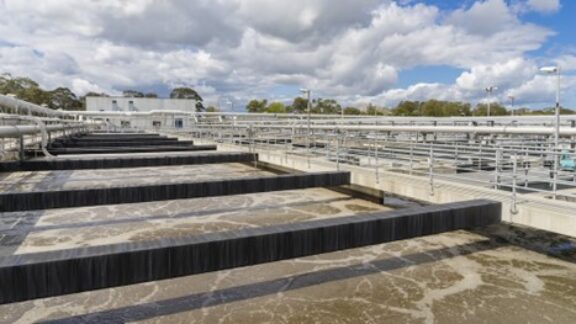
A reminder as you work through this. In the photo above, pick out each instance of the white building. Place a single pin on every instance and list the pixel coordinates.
(126, 104)
(143, 113)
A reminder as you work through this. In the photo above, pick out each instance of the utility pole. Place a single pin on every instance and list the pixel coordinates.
(489, 91)
(511, 104)
(308, 106)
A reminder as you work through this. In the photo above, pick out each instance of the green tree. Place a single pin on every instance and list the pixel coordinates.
(326, 106)
(407, 108)
(496, 109)
(188, 93)
(150, 95)
(185, 93)
(132, 94)
(433, 108)
(451, 108)
(551, 111)
(299, 105)
(352, 111)
(276, 107)
(212, 109)
(63, 98)
(373, 110)
(24, 89)
(257, 106)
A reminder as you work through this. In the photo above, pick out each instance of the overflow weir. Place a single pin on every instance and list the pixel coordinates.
(119, 212)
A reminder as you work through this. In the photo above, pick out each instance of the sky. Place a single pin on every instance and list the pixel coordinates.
(355, 51)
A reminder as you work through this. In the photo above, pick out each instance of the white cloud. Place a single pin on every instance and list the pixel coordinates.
(544, 6)
(504, 75)
(487, 17)
(242, 48)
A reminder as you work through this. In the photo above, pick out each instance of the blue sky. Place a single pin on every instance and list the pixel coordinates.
(355, 51)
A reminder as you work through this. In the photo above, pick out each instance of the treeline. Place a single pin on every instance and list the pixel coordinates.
(317, 106)
(429, 108)
(63, 98)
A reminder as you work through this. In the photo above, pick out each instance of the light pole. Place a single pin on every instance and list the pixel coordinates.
(511, 104)
(489, 91)
(308, 104)
(555, 70)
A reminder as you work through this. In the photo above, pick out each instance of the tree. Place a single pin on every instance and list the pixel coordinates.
(150, 95)
(257, 106)
(326, 106)
(551, 111)
(95, 94)
(432, 108)
(407, 108)
(372, 110)
(132, 94)
(352, 111)
(188, 93)
(212, 109)
(24, 89)
(456, 109)
(63, 98)
(299, 105)
(276, 108)
(185, 93)
(496, 109)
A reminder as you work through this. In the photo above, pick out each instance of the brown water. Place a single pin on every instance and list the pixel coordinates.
(499, 274)
(449, 278)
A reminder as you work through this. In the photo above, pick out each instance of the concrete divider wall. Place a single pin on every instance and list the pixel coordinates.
(125, 162)
(129, 149)
(29, 276)
(121, 195)
(120, 143)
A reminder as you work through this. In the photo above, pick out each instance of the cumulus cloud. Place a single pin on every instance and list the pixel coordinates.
(544, 6)
(243, 48)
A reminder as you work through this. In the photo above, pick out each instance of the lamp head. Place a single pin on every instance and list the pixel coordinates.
(549, 69)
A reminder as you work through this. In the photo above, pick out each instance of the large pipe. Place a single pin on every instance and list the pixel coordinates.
(27, 108)
(17, 130)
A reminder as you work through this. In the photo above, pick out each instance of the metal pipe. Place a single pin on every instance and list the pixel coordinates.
(26, 108)
(17, 130)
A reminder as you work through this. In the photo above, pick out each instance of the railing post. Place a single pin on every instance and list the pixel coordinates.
(411, 156)
(513, 207)
(21, 148)
(376, 160)
(497, 161)
(480, 157)
(556, 171)
(338, 150)
(431, 169)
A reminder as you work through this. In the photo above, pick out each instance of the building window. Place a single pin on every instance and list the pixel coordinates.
(156, 123)
(178, 123)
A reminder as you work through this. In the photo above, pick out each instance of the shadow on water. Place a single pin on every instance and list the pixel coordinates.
(539, 241)
(260, 289)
